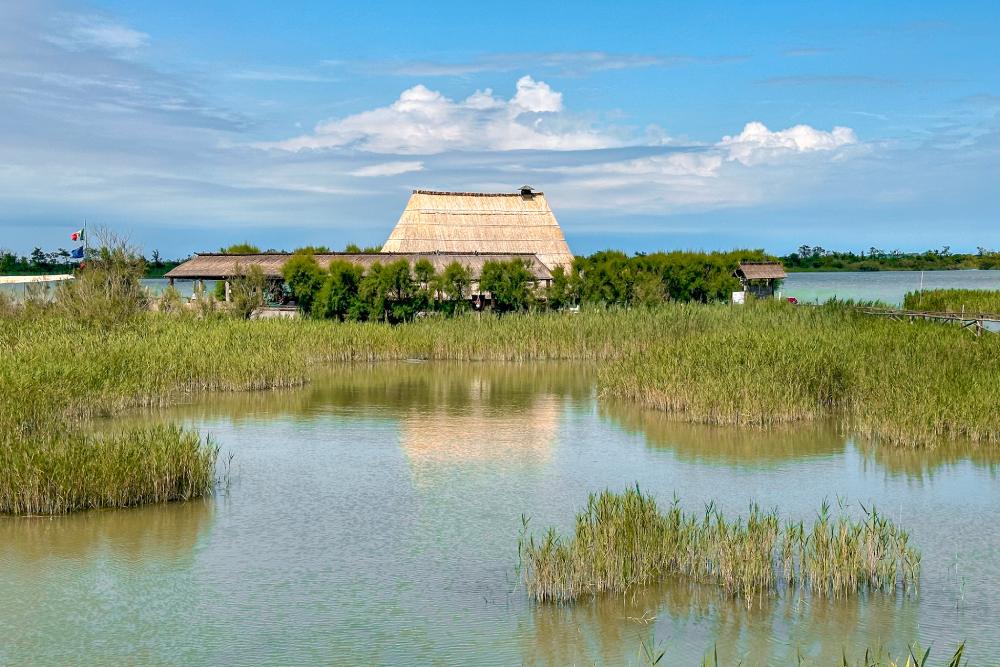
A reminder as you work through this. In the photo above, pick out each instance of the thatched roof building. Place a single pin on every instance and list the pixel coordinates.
(219, 266)
(759, 278)
(470, 222)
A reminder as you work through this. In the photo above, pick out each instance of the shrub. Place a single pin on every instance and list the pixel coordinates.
(108, 289)
(509, 284)
(305, 279)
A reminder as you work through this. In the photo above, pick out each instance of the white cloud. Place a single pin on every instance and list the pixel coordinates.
(536, 96)
(83, 31)
(753, 167)
(423, 121)
(756, 143)
(388, 169)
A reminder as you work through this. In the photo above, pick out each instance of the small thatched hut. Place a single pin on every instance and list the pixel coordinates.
(473, 222)
(760, 278)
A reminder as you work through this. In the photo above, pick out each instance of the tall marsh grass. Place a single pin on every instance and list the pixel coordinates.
(908, 384)
(63, 472)
(954, 301)
(624, 540)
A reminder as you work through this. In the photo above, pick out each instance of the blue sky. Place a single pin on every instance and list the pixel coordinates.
(649, 125)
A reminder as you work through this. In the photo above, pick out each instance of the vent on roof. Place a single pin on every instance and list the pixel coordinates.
(527, 191)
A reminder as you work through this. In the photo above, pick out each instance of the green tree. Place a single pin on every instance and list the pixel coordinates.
(559, 292)
(108, 290)
(8, 262)
(240, 249)
(648, 290)
(374, 293)
(248, 291)
(339, 296)
(399, 288)
(369, 250)
(508, 284)
(305, 279)
(424, 271)
(455, 284)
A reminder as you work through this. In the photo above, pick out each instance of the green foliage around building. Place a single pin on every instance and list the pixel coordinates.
(611, 277)
(509, 284)
(817, 258)
(398, 291)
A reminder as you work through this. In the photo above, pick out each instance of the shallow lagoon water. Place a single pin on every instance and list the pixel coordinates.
(887, 286)
(372, 517)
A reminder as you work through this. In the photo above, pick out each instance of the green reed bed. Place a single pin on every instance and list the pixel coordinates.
(57, 371)
(900, 383)
(63, 472)
(908, 384)
(954, 301)
(624, 540)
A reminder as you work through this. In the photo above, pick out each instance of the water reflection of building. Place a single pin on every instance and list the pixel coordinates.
(500, 436)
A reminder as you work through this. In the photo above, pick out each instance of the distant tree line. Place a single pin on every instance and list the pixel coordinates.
(817, 258)
(397, 291)
(59, 261)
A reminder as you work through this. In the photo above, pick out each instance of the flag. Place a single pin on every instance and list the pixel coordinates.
(77, 235)
(77, 253)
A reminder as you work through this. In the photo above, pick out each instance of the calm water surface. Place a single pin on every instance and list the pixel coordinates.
(373, 518)
(887, 286)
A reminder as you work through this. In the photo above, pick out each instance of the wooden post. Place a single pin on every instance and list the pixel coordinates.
(170, 281)
(229, 291)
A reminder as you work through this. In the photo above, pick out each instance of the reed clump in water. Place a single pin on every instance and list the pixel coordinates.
(969, 301)
(900, 383)
(623, 540)
(61, 472)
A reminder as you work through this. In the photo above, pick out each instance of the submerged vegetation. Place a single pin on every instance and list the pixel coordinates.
(954, 301)
(622, 541)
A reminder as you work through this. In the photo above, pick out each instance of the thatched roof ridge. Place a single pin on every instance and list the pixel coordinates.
(218, 266)
(761, 270)
(467, 222)
(534, 193)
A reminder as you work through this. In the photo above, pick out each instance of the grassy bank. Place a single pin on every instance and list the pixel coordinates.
(903, 383)
(954, 301)
(623, 540)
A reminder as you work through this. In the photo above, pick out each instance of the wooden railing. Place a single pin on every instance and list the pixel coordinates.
(975, 322)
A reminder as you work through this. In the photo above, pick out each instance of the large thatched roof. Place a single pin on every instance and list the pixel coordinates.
(468, 222)
(218, 266)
